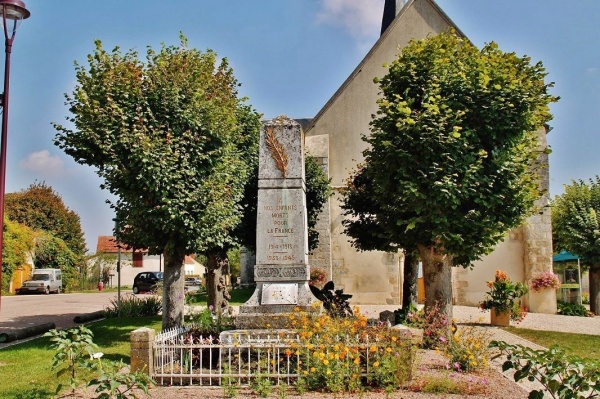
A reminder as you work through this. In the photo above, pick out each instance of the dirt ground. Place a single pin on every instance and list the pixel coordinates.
(429, 366)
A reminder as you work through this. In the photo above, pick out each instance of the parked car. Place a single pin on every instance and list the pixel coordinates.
(193, 281)
(146, 281)
(43, 281)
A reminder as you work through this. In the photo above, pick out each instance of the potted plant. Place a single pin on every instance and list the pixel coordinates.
(503, 299)
(545, 280)
(542, 297)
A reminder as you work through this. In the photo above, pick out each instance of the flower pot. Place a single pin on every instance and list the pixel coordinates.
(542, 301)
(499, 319)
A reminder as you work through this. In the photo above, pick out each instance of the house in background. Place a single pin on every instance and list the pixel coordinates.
(134, 261)
(333, 137)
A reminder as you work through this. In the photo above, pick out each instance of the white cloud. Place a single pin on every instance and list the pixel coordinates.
(361, 18)
(43, 163)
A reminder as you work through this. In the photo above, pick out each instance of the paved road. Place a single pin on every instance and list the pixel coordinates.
(27, 310)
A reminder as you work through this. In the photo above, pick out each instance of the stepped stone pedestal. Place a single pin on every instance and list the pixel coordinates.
(281, 272)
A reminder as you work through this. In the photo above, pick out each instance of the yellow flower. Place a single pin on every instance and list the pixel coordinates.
(376, 364)
(328, 371)
(312, 369)
(357, 360)
(325, 362)
(373, 348)
(388, 349)
(394, 338)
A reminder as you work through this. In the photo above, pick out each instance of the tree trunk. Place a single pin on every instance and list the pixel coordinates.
(173, 285)
(594, 276)
(409, 284)
(218, 296)
(437, 274)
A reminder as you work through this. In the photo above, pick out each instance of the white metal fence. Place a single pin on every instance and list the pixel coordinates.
(236, 357)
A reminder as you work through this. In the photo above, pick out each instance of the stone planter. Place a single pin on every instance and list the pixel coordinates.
(501, 319)
(543, 301)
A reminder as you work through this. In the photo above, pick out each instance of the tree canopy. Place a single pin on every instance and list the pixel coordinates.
(576, 228)
(164, 135)
(18, 244)
(41, 208)
(450, 166)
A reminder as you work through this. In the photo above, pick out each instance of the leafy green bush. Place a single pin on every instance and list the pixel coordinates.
(74, 349)
(75, 354)
(132, 306)
(571, 309)
(562, 374)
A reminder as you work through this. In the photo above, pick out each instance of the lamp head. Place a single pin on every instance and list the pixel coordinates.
(14, 10)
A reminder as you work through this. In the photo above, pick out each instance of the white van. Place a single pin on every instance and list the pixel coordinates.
(44, 281)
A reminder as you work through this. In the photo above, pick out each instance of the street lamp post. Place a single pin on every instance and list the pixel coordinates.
(13, 12)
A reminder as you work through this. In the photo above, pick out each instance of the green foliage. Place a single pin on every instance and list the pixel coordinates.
(576, 228)
(17, 244)
(576, 220)
(41, 208)
(562, 374)
(572, 309)
(209, 322)
(35, 393)
(261, 385)
(318, 192)
(112, 382)
(451, 150)
(53, 253)
(173, 128)
(74, 350)
(134, 306)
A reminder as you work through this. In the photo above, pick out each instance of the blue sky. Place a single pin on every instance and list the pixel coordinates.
(290, 57)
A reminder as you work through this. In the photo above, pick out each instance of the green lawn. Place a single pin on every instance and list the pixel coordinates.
(29, 364)
(580, 344)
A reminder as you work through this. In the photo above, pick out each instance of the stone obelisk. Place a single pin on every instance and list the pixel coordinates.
(281, 272)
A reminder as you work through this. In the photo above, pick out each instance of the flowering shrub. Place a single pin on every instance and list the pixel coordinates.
(433, 322)
(317, 277)
(468, 349)
(504, 296)
(585, 298)
(342, 355)
(545, 280)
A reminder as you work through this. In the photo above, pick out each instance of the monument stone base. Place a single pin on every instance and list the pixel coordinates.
(272, 304)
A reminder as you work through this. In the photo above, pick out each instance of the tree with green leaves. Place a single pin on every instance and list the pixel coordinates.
(41, 208)
(576, 228)
(165, 136)
(17, 247)
(52, 252)
(451, 161)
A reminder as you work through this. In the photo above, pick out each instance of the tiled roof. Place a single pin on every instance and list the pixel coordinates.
(108, 245)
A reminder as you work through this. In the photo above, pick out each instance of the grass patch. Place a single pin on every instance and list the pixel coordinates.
(239, 296)
(584, 345)
(27, 364)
